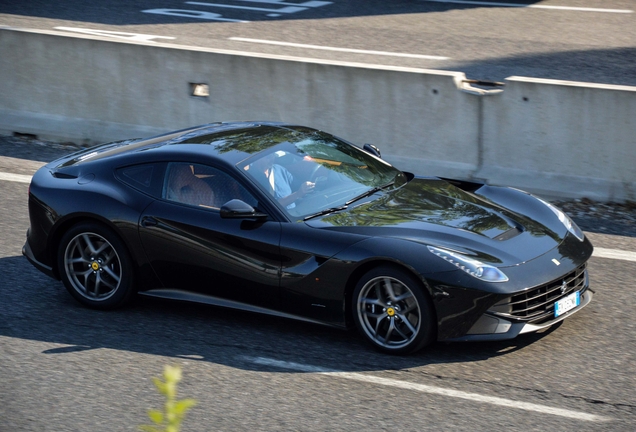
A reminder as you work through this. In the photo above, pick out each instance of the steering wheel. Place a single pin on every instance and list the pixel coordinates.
(319, 180)
(314, 171)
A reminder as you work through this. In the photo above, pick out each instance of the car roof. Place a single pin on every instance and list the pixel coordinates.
(231, 142)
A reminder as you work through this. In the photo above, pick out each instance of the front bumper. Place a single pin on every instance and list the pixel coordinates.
(493, 328)
(28, 253)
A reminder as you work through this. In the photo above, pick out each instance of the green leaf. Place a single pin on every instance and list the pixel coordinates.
(172, 373)
(173, 410)
(160, 385)
(184, 405)
(156, 416)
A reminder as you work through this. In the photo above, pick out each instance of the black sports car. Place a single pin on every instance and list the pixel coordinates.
(291, 221)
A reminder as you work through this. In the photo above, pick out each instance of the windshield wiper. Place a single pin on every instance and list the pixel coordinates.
(344, 207)
(326, 211)
(370, 192)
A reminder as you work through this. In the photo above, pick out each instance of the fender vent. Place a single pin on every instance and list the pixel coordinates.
(61, 175)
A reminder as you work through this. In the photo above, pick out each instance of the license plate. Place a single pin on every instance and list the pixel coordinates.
(567, 303)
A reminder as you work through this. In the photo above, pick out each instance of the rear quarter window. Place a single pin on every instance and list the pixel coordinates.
(146, 178)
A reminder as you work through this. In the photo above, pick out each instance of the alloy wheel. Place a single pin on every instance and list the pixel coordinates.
(93, 266)
(389, 312)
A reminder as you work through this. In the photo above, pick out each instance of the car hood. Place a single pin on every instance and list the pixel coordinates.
(434, 212)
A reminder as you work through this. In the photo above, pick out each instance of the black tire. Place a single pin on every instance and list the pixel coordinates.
(95, 266)
(392, 311)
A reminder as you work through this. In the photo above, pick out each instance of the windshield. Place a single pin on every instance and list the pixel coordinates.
(312, 173)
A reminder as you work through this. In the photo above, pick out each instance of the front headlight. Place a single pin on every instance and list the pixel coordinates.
(471, 266)
(566, 221)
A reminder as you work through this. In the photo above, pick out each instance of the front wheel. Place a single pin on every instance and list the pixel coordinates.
(392, 312)
(95, 266)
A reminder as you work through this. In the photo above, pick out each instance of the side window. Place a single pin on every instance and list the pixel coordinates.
(203, 186)
(142, 177)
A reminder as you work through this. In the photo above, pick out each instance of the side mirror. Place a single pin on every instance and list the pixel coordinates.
(370, 148)
(237, 209)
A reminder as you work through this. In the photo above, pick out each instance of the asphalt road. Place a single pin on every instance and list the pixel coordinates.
(67, 368)
(576, 40)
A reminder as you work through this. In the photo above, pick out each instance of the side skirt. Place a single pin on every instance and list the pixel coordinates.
(182, 295)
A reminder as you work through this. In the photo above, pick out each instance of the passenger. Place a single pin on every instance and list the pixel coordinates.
(278, 180)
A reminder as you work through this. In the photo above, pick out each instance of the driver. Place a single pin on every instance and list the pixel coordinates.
(278, 180)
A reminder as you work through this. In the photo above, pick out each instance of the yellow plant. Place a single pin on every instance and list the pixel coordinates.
(169, 420)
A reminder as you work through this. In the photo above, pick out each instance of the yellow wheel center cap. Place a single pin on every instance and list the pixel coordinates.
(95, 266)
(390, 312)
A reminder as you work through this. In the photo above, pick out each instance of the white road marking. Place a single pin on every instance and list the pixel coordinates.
(115, 34)
(349, 50)
(614, 254)
(20, 178)
(289, 8)
(311, 3)
(475, 397)
(286, 9)
(569, 8)
(192, 14)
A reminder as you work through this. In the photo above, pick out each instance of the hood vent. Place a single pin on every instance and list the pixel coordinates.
(507, 235)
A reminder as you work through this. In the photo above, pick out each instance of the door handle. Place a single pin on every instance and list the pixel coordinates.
(148, 221)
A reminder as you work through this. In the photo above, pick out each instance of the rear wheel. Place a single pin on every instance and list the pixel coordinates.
(392, 312)
(95, 266)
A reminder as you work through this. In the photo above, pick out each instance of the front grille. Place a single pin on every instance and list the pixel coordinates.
(537, 304)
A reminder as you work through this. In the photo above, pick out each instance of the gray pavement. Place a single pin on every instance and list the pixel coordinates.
(576, 40)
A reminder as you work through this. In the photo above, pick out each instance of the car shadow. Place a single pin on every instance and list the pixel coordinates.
(600, 225)
(222, 12)
(37, 308)
(31, 149)
(601, 66)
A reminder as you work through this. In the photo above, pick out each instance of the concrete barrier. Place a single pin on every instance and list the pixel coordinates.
(577, 139)
(90, 89)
